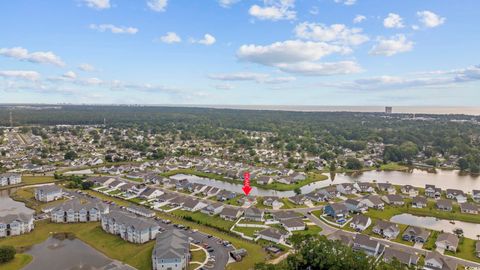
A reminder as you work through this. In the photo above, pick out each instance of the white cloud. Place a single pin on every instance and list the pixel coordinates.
(20, 74)
(170, 37)
(335, 33)
(359, 19)
(207, 40)
(391, 46)
(321, 69)
(22, 54)
(250, 76)
(346, 2)
(70, 75)
(430, 19)
(274, 10)
(86, 67)
(223, 86)
(426, 79)
(289, 51)
(98, 4)
(393, 21)
(227, 3)
(157, 5)
(114, 29)
(314, 10)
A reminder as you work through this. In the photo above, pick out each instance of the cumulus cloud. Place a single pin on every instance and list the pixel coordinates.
(223, 86)
(20, 74)
(114, 29)
(391, 46)
(22, 54)
(70, 75)
(430, 19)
(289, 51)
(206, 40)
(422, 80)
(335, 33)
(157, 5)
(86, 67)
(98, 4)
(359, 19)
(227, 3)
(393, 21)
(274, 10)
(299, 57)
(321, 69)
(170, 37)
(346, 2)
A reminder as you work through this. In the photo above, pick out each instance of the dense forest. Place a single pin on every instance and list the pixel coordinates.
(317, 133)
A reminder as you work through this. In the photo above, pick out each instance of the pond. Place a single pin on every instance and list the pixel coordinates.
(415, 177)
(60, 253)
(9, 206)
(470, 230)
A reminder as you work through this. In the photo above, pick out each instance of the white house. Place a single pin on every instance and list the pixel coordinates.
(7, 179)
(18, 224)
(48, 193)
(75, 211)
(129, 227)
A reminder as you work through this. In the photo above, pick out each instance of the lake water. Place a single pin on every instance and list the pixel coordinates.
(70, 254)
(415, 177)
(9, 206)
(470, 230)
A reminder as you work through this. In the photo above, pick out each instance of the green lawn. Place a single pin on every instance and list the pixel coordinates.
(248, 231)
(255, 252)
(20, 261)
(198, 256)
(311, 230)
(214, 221)
(430, 244)
(393, 167)
(32, 180)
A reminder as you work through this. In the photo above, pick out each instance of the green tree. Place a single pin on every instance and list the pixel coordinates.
(297, 191)
(7, 253)
(353, 164)
(70, 155)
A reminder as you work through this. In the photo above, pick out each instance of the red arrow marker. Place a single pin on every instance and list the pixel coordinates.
(246, 183)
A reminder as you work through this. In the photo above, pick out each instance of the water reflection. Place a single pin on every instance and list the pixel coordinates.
(9, 206)
(470, 230)
(62, 252)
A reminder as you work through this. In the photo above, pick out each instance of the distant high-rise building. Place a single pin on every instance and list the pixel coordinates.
(388, 109)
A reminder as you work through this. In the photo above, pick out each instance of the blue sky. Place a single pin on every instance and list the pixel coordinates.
(279, 52)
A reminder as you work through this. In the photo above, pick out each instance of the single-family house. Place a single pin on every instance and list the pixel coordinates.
(469, 208)
(419, 202)
(365, 187)
(229, 213)
(367, 245)
(443, 204)
(346, 188)
(373, 201)
(433, 192)
(150, 193)
(386, 229)
(409, 190)
(336, 210)
(393, 199)
(293, 224)
(355, 206)
(254, 214)
(456, 194)
(416, 234)
(402, 256)
(386, 187)
(273, 234)
(447, 241)
(213, 208)
(476, 195)
(360, 222)
(435, 261)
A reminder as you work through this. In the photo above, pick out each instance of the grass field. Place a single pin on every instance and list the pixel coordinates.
(248, 231)
(20, 261)
(311, 230)
(204, 219)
